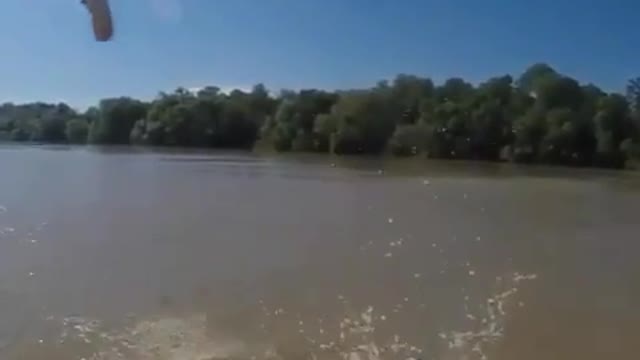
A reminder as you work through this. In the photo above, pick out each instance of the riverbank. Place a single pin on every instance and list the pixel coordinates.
(541, 117)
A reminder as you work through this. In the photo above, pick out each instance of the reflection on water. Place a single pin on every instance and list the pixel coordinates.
(136, 254)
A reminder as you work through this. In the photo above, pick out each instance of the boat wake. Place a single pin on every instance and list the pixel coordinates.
(190, 337)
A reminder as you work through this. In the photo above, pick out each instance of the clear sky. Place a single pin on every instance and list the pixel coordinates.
(48, 52)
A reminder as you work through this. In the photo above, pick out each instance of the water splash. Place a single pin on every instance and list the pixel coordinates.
(165, 338)
(359, 335)
(489, 321)
(356, 340)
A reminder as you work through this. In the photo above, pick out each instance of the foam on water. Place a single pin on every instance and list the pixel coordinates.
(488, 322)
(354, 337)
(164, 338)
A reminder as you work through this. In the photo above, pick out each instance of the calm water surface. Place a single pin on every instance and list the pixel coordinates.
(108, 254)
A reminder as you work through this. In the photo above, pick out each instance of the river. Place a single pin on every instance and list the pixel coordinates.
(123, 253)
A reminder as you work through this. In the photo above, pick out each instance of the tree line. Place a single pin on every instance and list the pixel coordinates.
(540, 117)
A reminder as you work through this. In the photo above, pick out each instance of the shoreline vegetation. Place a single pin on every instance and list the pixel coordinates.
(541, 117)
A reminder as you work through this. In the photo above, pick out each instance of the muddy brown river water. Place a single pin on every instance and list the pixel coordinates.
(136, 254)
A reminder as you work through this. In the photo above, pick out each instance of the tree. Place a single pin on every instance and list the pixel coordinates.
(633, 94)
(53, 124)
(559, 92)
(613, 125)
(207, 118)
(38, 121)
(529, 130)
(239, 127)
(566, 141)
(631, 146)
(364, 122)
(23, 130)
(543, 116)
(295, 120)
(408, 92)
(530, 79)
(116, 119)
(455, 89)
(489, 127)
(408, 140)
(76, 131)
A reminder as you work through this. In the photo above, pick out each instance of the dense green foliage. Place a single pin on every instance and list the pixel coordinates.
(77, 131)
(542, 116)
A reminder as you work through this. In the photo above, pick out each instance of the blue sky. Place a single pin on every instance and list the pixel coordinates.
(48, 52)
